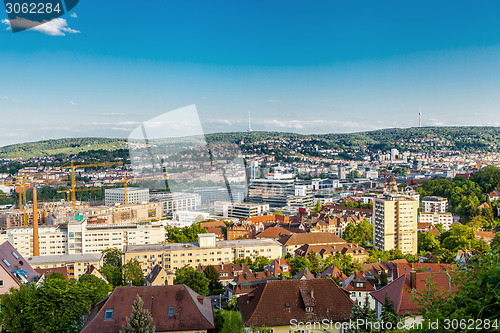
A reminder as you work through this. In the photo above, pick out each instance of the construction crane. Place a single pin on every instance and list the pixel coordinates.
(72, 166)
(79, 190)
(125, 181)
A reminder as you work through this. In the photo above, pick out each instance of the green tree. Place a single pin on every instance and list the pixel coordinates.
(299, 263)
(364, 313)
(15, 316)
(112, 257)
(389, 314)
(383, 278)
(317, 207)
(98, 288)
(360, 234)
(259, 263)
(140, 320)
(193, 279)
(459, 237)
(314, 263)
(113, 275)
(428, 242)
(132, 271)
(213, 276)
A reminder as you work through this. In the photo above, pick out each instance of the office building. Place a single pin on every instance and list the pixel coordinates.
(279, 192)
(177, 201)
(76, 264)
(135, 195)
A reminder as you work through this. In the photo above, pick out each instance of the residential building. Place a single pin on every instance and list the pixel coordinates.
(434, 204)
(357, 253)
(281, 305)
(325, 222)
(445, 219)
(360, 289)
(402, 289)
(14, 269)
(187, 218)
(159, 277)
(15, 218)
(76, 264)
(274, 233)
(279, 192)
(207, 251)
(428, 227)
(176, 201)
(81, 237)
(240, 231)
(335, 272)
(278, 266)
(135, 195)
(395, 223)
(304, 274)
(91, 270)
(494, 196)
(173, 308)
(246, 282)
(228, 272)
(389, 268)
(294, 241)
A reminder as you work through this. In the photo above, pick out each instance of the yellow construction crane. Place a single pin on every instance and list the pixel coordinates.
(126, 180)
(79, 190)
(72, 166)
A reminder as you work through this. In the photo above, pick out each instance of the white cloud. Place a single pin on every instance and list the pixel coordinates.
(221, 121)
(112, 114)
(56, 27)
(74, 15)
(273, 101)
(71, 102)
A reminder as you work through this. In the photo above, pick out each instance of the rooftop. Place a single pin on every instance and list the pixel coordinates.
(65, 258)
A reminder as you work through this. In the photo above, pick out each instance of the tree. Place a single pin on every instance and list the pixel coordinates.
(364, 313)
(218, 322)
(360, 234)
(383, 278)
(193, 279)
(98, 288)
(459, 237)
(299, 263)
(317, 207)
(314, 263)
(213, 276)
(113, 274)
(132, 271)
(140, 319)
(389, 312)
(184, 235)
(428, 242)
(259, 263)
(112, 257)
(15, 316)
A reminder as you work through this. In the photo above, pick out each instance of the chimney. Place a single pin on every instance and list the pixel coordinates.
(36, 246)
(312, 294)
(129, 284)
(200, 299)
(413, 280)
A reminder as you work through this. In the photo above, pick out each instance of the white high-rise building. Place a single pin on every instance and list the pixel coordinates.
(135, 195)
(434, 205)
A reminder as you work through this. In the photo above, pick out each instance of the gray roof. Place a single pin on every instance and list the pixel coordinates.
(65, 258)
(239, 243)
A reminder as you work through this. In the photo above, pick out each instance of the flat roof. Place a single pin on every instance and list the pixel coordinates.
(64, 258)
(195, 245)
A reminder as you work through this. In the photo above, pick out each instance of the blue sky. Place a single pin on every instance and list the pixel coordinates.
(329, 66)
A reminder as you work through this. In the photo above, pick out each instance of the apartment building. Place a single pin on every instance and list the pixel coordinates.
(135, 195)
(445, 219)
(433, 204)
(395, 223)
(279, 192)
(15, 218)
(76, 264)
(204, 252)
(81, 237)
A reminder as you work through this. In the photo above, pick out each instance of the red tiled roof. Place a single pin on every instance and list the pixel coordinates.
(191, 311)
(278, 302)
(359, 277)
(48, 271)
(403, 268)
(335, 272)
(400, 291)
(274, 232)
(312, 238)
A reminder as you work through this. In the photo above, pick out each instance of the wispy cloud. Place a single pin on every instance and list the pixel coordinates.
(222, 121)
(272, 101)
(73, 15)
(56, 27)
(71, 102)
(115, 114)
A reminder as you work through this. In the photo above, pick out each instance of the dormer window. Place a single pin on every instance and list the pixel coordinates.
(108, 314)
(15, 255)
(309, 309)
(6, 262)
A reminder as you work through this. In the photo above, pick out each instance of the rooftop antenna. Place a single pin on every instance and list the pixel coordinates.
(249, 122)
(419, 116)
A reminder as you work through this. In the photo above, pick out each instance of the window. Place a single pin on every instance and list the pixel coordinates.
(6, 262)
(309, 309)
(1, 283)
(15, 255)
(170, 310)
(108, 314)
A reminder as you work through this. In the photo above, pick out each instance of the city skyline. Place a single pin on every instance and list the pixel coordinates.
(327, 68)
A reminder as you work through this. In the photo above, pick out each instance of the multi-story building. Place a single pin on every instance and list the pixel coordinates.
(135, 195)
(279, 192)
(81, 237)
(177, 201)
(241, 231)
(434, 205)
(209, 195)
(241, 210)
(15, 218)
(445, 219)
(76, 264)
(395, 223)
(205, 252)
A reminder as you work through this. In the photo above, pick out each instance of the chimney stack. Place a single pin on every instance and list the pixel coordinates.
(413, 280)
